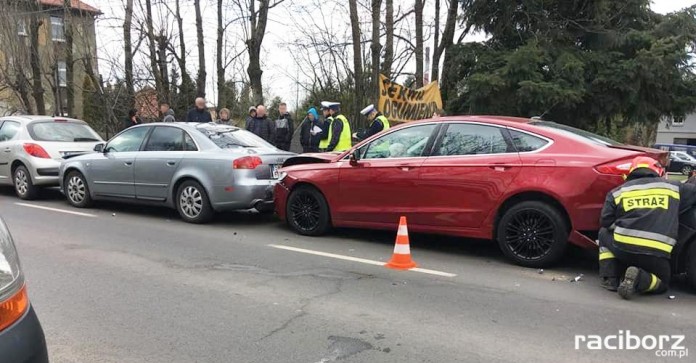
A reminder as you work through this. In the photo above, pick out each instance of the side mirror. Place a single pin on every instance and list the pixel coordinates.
(354, 157)
(99, 147)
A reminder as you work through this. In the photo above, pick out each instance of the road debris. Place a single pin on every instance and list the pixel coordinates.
(541, 271)
(671, 297)
(578, 278)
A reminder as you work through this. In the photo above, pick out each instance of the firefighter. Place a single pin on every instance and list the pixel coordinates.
(639, 225)
(379, 123)
(325, 137)
(339, 129)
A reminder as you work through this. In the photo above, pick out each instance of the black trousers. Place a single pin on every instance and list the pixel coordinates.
(655, 272)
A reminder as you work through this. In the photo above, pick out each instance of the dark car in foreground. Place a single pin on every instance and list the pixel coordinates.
(197, 169)
(531, 185)
(21, 335)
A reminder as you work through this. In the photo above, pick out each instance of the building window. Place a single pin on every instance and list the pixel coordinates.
(22, 27)
(62, 74)
(57, 29)
(678, 121)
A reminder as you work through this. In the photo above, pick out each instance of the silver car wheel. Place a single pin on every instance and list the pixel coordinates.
(76, 189)
(21, 182)
(191, 202)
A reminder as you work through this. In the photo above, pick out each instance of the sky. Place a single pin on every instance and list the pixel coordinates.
(280, 77)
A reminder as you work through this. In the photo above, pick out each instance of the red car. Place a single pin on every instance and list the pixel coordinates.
(531, 185)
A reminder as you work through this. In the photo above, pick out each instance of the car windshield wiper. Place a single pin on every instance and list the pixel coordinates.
(79, 139)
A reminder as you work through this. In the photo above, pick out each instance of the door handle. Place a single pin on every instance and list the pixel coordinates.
(406, 167)
(500, 167)
(128, 163)
(171, 163)
(8, 150)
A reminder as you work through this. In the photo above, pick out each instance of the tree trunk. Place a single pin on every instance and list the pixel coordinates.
(220, 68)
(162, 43)
(156, 72)
(357, 55)
(389, 42)
(257, 22)
(187, 91)
(447, 38)
(38, 90)
(436, 40)
(128, 52)
(69, 60)
(200, 80)
(419, 42)
(375, 49)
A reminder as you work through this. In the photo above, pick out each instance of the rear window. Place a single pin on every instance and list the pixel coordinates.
(525, 142)
(62, 132)
(569, 130)
(231, 138)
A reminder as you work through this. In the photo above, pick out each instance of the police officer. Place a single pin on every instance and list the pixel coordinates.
(325, 137)
(379, 123)
(639, 226)
(339, 130)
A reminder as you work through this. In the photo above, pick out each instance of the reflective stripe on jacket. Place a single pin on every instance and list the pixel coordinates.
(644, 213)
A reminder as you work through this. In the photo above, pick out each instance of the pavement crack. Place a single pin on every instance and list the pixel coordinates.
(338, 288)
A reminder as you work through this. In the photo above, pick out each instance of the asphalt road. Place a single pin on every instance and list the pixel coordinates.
(133, 284)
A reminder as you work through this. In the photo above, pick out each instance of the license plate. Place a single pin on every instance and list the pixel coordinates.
(275, 173)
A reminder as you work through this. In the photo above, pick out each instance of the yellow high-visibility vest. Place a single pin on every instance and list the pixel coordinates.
(323, 144)
(345, 141)
(385, 122)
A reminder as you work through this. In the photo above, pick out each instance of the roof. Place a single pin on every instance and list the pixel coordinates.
(31, 118)
(74, 4)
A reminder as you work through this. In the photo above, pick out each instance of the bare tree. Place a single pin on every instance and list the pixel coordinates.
(128, 52)
(69, 59)
(357, 53)
(200, 80)
(35, 61)
(389, 42)
(447, 36)
(375, 49)
(152, 47)
(219, 54)
(419, 42)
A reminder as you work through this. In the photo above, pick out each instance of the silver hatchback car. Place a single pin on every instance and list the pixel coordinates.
(195, 168)
(32, 148)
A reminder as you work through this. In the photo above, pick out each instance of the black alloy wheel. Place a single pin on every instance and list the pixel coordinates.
(533, 234)
(307, 211)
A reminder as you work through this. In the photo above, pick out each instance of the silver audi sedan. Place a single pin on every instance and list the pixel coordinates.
(197, 169)
(33, 147)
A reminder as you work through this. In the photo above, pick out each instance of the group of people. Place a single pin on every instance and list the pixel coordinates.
(332, 131)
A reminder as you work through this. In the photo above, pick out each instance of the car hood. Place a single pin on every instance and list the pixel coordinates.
(311, 158)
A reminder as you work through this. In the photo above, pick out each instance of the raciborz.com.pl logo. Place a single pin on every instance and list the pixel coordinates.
(662, 345)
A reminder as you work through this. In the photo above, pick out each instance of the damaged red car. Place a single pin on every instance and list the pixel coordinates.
(532, 186)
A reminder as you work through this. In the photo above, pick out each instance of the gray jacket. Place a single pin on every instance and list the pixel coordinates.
(169, 116)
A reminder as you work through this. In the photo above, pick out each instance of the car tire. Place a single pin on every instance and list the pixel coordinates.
(691, 265)
(533, 234)
(24, 186)
(687, 169)
(76, 190)
(193, 204)
(307, 211)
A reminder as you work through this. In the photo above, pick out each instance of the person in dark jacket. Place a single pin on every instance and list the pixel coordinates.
(199, 113)
(378, 124)
(261, 126)
(639, 226)
(284, 128)
(250, 116)
(310, 132)
(131, 120)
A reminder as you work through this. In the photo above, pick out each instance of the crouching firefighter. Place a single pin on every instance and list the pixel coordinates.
(639, 226)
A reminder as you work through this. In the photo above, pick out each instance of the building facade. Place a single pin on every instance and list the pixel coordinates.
(35, 40)
(680, 131)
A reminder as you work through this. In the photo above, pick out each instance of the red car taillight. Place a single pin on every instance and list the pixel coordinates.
(247, 162)
(619, 167)
(36, 151)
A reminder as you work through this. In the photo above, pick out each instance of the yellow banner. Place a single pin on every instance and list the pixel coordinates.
(402, 104)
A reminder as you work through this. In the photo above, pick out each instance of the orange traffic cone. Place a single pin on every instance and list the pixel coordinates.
(401, 259)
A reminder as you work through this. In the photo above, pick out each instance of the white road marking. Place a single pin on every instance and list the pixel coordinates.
(357, 259)
(57, 210)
